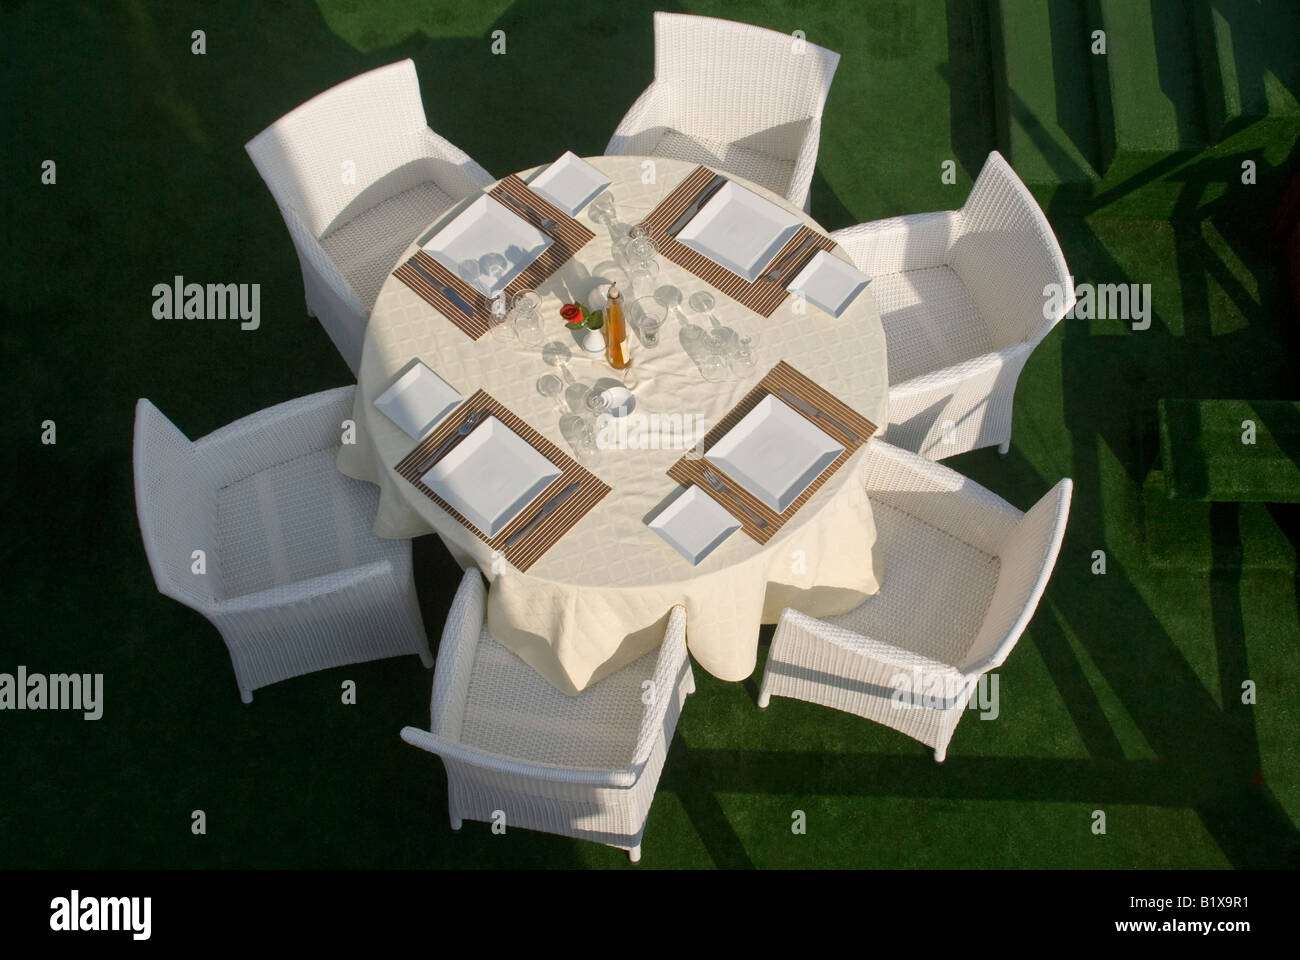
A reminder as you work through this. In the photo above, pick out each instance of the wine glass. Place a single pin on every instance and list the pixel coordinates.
(643, 276)
(640, 248)
(602, 211)
(719, 339)
(469, 272)
(581, 435)
(648, 317)
(498, 319)
(528, 318)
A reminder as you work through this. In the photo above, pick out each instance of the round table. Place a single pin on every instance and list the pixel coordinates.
(600, 597)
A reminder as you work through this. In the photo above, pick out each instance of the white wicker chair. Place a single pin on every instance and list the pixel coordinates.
(294, 581)
(584, 766)
(963, 299)
(357, 174)
(963, 573)
(738, 98)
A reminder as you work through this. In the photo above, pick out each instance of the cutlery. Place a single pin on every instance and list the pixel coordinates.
(471, 421)
(547, 509)
(716, 184)
(447, 291)
(809, 409)
(779, 270)
(716, 483)
(545, 223)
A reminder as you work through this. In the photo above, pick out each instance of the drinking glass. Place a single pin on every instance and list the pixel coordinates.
(648, 316)
(640, 248)
(719, 339)
(528, 318)
(498, 319)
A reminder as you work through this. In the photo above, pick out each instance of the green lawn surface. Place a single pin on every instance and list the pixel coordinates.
(1124, 695)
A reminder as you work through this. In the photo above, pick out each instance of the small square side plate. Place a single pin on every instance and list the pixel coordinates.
(417, 400)
(694, 525)
(570, 183)
(827, 282)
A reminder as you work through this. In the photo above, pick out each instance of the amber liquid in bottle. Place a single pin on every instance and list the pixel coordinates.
(617, 348)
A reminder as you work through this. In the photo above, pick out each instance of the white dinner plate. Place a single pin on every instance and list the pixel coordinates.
(570, 183)
(694, 525)
(490, 476)
(774, 453)
(739, 231)
(417, 400)
(484, 228)
(828, 282)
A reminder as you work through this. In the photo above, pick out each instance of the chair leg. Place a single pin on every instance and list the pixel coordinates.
(764, 698)
(940, 753)
(635, 854)
(1004, 448)
(456, 822)
(245, 695)
(426, 657)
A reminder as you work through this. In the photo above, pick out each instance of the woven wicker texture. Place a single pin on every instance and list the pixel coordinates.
(729, 93)
(962, 300)
(584, 766)
(294, 580)
(964, 571)
(356, 173)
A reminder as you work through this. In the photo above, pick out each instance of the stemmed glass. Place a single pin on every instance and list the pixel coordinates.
(648, 317)
(602, 211)
(528, 318)
(498, 319)
(719, 339)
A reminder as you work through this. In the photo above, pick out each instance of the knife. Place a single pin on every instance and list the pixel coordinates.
(778, 272)
(446, 291)
(533, 217)
(808, 408)
(547, 509)
(716, 184)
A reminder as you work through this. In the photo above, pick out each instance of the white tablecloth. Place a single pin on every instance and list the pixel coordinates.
(599, 598)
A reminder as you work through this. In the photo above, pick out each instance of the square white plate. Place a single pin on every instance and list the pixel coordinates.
(740, 231)
(570, 183)
(774, 453)
(490, 476)
(828, 282)
(485, 227)
(417, 400)
(694, 525)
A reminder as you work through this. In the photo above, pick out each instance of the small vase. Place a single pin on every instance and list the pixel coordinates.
(593, 341)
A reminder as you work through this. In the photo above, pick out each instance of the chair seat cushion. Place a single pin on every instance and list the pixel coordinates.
(511, 711)
(934, 592)
(366, 247)
(930, 321)
(294, 521)
(761, 168)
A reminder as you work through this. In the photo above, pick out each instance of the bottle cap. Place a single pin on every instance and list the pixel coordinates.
(613, 293)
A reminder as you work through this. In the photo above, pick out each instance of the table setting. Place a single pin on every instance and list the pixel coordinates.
(615, 392)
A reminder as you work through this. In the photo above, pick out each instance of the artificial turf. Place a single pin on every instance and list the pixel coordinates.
(1124, 695)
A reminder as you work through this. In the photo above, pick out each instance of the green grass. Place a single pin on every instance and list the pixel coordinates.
(1231, 450)
(1124, 695)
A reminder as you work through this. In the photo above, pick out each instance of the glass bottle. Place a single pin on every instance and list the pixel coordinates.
(617, 347)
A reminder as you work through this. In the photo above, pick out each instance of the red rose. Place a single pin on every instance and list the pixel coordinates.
(571, 313)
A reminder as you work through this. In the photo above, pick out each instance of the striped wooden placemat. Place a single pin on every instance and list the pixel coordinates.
(568, 237)
(547, 533)
(761, 296)
(474, 324)
(690, 468)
